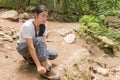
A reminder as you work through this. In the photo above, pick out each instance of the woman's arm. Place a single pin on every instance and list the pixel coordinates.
(33, 54)
(44, 36)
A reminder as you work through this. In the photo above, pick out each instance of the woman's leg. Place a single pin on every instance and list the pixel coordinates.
(23, 50)
(41, 49)
(44, 53)
(52, 53)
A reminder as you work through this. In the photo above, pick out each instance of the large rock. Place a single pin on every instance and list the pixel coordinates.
(12, 14)
(23, 16)
(76, 67)
(7, 38)
(70, 38)
(2, 33)
(106, 40)
(8, 35)
(53, 36)
(102, 71)
(64, 31)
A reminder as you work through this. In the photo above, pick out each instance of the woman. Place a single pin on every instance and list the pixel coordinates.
(31, 44)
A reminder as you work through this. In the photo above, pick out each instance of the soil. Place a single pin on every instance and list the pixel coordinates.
(14, 67)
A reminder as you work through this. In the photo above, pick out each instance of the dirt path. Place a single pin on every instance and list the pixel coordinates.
(13, 66)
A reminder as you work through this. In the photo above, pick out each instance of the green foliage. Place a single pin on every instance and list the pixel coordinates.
(29, 8)
(94, 24)
(89, 18)
(10, 3)
(92, 27)
(69, 10)
(14, 4)
(107, 7)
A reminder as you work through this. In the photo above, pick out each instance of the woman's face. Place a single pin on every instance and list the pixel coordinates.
(42, 17)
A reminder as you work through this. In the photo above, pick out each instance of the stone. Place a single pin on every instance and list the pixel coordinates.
(63, 31)
(117, 69)
(18, 33)
(1, 39)
(70, 38)
(23, 16)
(8, 32)
(14, 36)
(102, 71)
(53, 36)
(106, 40)
(7, 38)
(9, 14)
(2, 33)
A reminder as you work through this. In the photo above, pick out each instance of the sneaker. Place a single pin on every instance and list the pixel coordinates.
(50, 75)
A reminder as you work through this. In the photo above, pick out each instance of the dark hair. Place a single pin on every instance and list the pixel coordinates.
(39, 9)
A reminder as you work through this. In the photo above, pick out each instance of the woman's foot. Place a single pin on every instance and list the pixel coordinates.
(46, 64)
(50, 74)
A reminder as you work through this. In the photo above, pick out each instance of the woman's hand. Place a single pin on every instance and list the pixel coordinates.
(33, 54)
(41, 70)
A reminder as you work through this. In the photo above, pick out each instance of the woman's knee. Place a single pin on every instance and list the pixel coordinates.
(43, 58)
(53, 56)
(52, 53)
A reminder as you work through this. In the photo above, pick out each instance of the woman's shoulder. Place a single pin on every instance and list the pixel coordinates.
(28, 23)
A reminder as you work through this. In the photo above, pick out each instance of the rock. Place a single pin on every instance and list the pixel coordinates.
(75, 28)
(117, 69)
(8, 35)
(23, 16)
(64, 32)
(8, 32)
(61, 67)
(13, 33)
(53, 36)
(9, 14)
(75, 73)
(18, 33)
(70, 38)
(14, 36)
(106, 40)
(102, 71)
(1, 39)
(7, 38)
(2, 33)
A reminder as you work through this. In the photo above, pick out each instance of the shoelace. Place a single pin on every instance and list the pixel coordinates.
(50, 72)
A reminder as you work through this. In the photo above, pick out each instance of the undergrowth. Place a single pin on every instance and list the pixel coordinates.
(92, 27)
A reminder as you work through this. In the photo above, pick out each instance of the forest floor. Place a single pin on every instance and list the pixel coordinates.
(14, 67)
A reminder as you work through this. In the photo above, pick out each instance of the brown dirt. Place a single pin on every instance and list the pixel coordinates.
(14, 67)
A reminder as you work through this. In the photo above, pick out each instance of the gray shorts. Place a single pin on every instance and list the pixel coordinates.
(43, 52)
